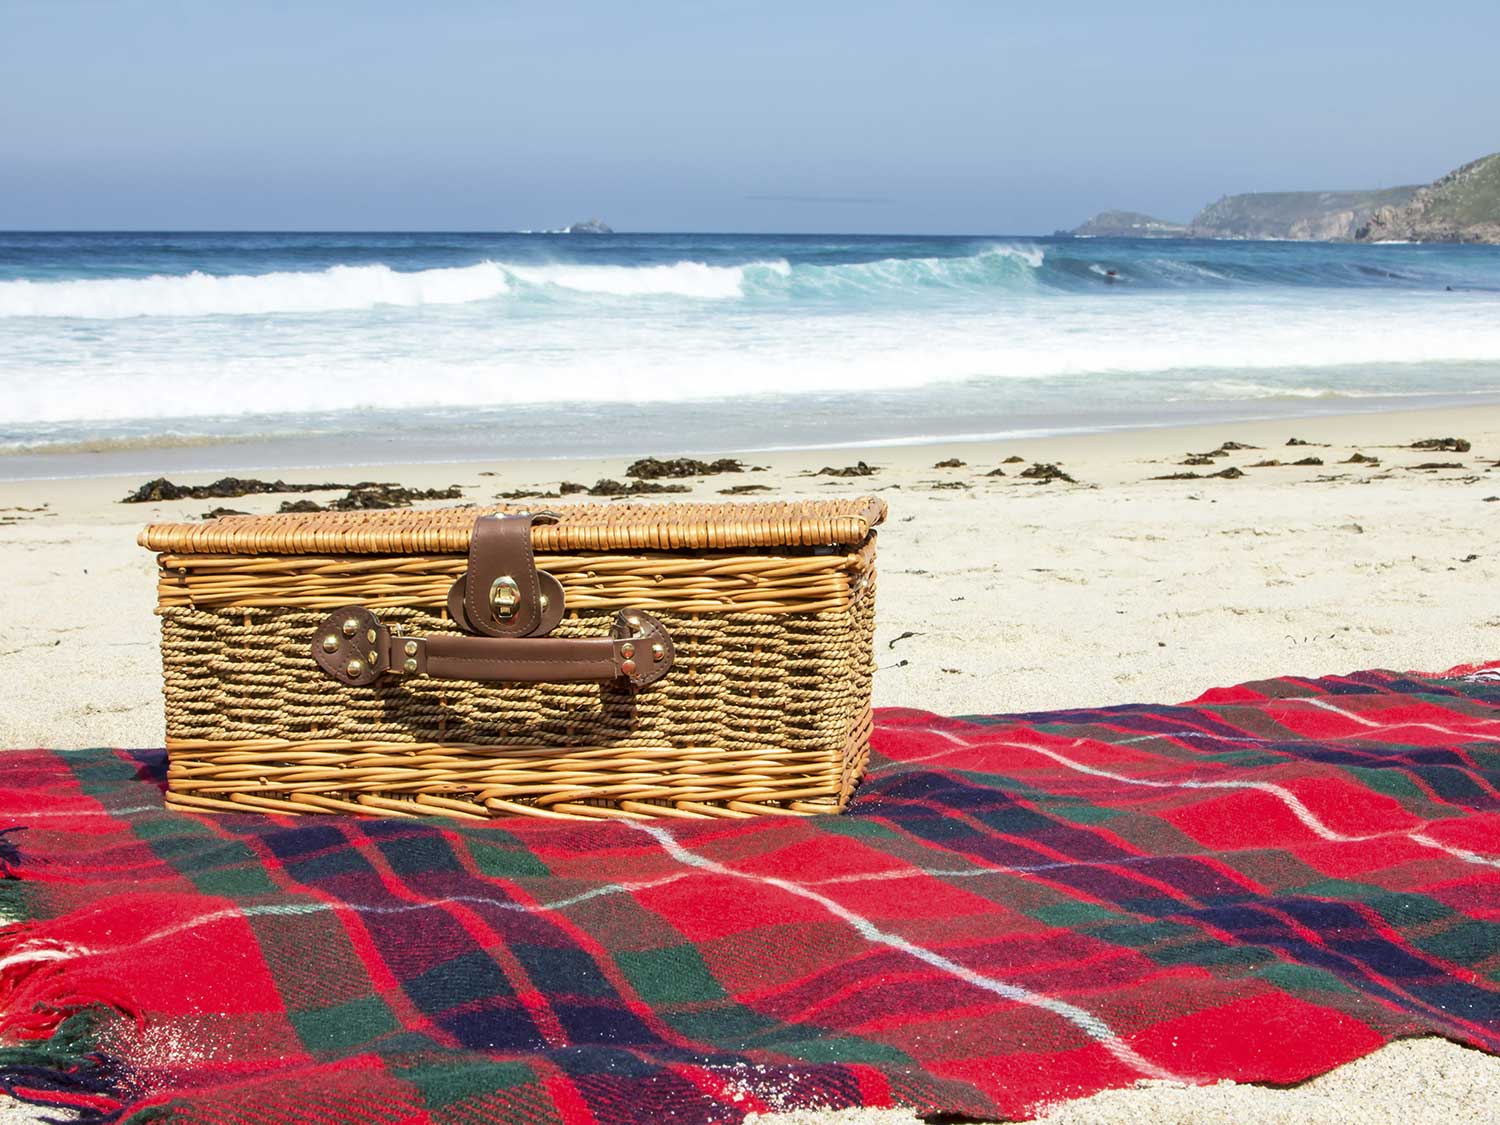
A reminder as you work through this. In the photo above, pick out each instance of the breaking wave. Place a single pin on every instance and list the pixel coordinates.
(352, 288)
(789, 277)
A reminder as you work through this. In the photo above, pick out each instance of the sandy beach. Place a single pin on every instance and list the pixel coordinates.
(997, 593)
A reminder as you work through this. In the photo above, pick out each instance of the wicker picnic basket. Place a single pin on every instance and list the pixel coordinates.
(603, 660)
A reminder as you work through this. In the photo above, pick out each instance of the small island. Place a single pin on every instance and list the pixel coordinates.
(590, 226)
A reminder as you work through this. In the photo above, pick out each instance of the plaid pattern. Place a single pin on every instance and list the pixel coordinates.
(1260, 885)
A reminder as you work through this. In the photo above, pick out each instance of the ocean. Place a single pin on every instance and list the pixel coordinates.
(159, 351)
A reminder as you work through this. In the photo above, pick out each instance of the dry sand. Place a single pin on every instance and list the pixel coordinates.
(996, 594)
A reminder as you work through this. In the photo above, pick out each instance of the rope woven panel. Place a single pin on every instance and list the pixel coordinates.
(741, 681)
(582, 527)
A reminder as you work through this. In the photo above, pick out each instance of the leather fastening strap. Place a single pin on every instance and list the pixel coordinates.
(503, 596)
(502, 571)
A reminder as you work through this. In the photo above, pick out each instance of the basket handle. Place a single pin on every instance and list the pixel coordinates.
(354, 647)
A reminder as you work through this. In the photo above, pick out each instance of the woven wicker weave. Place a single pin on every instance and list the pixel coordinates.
(767, 709)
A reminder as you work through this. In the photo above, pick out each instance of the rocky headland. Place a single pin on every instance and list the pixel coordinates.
(1463, 206)
(1316, 216)
(1129, 224)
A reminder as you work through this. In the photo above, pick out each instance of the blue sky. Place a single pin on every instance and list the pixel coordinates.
(917, 117)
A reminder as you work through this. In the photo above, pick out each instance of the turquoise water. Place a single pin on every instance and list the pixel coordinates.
(229, 350)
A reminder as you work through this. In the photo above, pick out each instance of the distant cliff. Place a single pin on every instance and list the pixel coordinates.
(1321, 216)
(1313, 216)
(1463, 206)
(1129, 224)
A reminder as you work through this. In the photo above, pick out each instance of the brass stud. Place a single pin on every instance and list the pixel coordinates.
(370, 636)
(627, 650)
(634, 622)
(658, 652)
(628, 667)
(411, 648)
(409, 667)
(371, 657)
(351, 627)
(354, 668)
(330, 643)
(544, 601)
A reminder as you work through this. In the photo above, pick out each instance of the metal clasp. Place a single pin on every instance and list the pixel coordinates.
(505, 597)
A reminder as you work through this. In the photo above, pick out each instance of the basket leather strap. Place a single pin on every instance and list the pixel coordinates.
(502, 594)
(532, 660)
(356, 648)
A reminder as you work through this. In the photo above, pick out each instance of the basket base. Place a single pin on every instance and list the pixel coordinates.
(477, 782)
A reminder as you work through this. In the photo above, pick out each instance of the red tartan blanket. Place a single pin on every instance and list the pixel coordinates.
(1259, 885)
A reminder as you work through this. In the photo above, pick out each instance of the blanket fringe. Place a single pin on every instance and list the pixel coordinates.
(67, 1072)
(51, 1015)
(40, 988)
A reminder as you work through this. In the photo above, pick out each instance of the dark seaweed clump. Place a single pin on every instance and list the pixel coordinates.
(154, 491)
(653, 468)
(374, 496)
(615, 490)
(859, 469)
(1044, 474)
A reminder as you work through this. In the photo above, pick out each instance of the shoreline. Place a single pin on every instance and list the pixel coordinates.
(347, 441)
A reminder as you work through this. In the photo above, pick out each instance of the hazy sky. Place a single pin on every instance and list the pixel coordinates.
(724, 116)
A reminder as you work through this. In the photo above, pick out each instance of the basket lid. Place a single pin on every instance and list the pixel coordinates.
(580, 527)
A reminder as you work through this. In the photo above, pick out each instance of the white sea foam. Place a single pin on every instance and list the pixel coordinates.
(345, 288)
(678, 279)
(199, 294)
(1220, 347)
(1242, 389)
